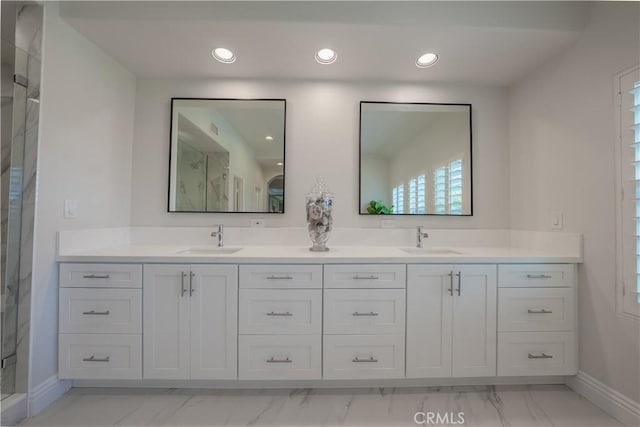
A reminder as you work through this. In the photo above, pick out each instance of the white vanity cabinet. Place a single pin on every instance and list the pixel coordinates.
(100, 321)
(190, 321)
(364, 321)
(451, 321)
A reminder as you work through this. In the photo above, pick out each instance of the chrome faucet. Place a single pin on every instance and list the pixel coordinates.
(420, 235)
(219, 234)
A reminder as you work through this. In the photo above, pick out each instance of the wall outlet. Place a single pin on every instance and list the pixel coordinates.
(387, 223)
(258, 222)
(71, 209)
(556, 220)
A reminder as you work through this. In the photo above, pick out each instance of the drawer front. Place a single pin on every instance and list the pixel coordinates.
(279, 357)
(536, 309)
(280, 311)
(365, 276)
(280, 276)
(101, 275)
(359, 311)
(100, 311)
(100, 356)
(363, 356)
(535, 275)
(536, 353)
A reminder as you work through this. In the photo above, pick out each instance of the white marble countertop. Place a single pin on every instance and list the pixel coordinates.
(301, 255)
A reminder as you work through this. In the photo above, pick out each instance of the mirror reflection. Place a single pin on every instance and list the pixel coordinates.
(227, 155)
(415, 159)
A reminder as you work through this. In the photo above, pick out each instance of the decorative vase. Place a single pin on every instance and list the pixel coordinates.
(319, 204)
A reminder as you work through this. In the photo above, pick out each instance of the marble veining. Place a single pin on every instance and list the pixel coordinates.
(545, 405)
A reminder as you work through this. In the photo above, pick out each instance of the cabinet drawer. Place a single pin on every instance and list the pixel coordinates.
(279, 357)
(536, 353)
(535, 275)
(365, 276)
(363, 356)
(100, 311)
(536, 309)
(359, 311)
(280, 276)
(101, 275)
(100, 356)
(280, 311)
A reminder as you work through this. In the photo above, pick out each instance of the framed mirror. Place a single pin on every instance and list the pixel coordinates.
(227, 155)
(415, 159)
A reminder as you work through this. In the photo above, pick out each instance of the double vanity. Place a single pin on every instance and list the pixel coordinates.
(282, 313)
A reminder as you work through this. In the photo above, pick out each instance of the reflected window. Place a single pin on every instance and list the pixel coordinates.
(447, 188)
(397, 196)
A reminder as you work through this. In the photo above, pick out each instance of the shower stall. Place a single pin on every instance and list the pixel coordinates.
(20, 89)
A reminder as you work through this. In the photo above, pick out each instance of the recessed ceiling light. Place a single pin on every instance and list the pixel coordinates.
(427, 60)
(268, 138)
(326, 56)
(223, 55)
(279, 163)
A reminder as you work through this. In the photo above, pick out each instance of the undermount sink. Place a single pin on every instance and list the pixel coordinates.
(209, 251)
(430, 251)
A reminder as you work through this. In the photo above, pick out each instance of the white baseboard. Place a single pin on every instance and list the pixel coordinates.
(616, 404)
(13, 409)
(45, 393)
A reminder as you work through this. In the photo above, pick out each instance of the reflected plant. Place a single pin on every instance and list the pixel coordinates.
(377, 207)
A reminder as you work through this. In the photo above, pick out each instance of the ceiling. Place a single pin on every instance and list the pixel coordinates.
(493, 43)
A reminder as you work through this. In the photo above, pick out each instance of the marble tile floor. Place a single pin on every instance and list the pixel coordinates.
(514, 406)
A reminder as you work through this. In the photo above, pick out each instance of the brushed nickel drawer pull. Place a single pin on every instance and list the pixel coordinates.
(543, 311)
(96, 313)
(287, 277)
(95, 359)
(285, 314)
(95, 276)
(538, 276)
(272, 360)
(183, 289)
(459, 276)
(191, 288)
(539, 356)
(369, 360)
(450, 283)
(371, 313)
(371, 277)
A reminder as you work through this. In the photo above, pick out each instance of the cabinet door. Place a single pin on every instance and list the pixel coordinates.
(166, 321)
(429, 321)
(474, 321)
(213, 294)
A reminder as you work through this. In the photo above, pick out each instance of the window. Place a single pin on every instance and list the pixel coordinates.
(397, 198)
(417, 195)
(628, 90)
(440, 190)
(447, 188)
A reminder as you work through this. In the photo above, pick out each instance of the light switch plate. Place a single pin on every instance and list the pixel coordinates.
(556, 220)
(70, 209)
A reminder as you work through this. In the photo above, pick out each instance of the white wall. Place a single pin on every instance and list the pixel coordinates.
(86, 132)
(322, 139)
(375, 180)
(562, 158)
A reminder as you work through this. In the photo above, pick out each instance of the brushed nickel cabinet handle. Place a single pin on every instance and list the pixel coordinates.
(191, 288)
(95, 276)
(96, 313)
(538, 276)
(459, 276)
(272, 360)
(369, 360)
(183, 289)
(539, 356)
(287, 277)
(371, 313)
(285, 314)
(371, 277)
(450, 283)
(543, 311)
(95, 359)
